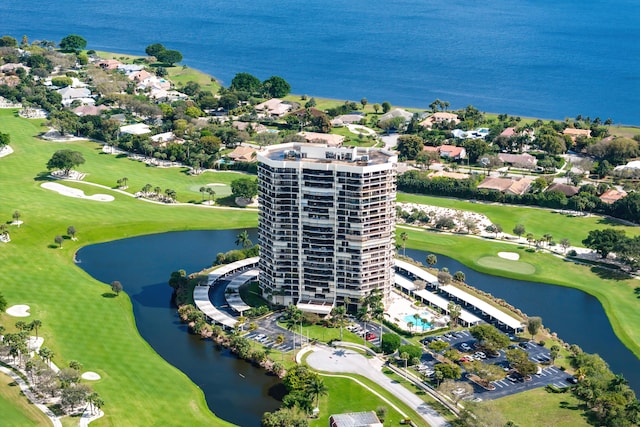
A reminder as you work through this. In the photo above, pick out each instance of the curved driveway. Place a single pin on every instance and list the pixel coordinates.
(349, 361)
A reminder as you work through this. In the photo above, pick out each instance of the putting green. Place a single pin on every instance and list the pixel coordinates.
(506, 264)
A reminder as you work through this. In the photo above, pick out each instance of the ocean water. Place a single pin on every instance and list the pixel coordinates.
(542, 58)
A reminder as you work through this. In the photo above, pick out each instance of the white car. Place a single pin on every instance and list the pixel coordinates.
(458, 391)
(465, 347)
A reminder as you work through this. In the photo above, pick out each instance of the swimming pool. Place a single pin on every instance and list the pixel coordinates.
(419, 323)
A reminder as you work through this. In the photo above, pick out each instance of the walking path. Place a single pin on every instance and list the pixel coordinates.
(349, 361)
(33, 345)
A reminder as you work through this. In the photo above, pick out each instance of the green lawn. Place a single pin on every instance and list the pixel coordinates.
(536, 221)
(347, 395)
(498, 263)
(78, 323)
(16, 410)
(538, 408)
(107, 169)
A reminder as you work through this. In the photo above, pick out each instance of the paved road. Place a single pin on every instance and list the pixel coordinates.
(349, 361)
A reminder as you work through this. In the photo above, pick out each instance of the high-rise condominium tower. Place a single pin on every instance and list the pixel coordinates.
(326, 224)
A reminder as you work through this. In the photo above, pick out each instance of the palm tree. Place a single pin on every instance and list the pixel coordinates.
(16, 218)
(317, 388)
(71, 231)
(36, 324)
(404, 236)
(279, 341)
(243, 240)
(46, 354)
(202, 191)
(58, 240)
(212, 194)
(410, 326)
(416, 316)
(339, 313)
(124, 181)
(146, 189)
(454, 313)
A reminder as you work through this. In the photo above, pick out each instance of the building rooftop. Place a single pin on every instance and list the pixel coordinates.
(317, 153)
(355, 419)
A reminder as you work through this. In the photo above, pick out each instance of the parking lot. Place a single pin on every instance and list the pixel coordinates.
(513, 383)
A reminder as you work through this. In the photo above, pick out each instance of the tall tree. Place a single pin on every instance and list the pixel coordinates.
(65, 160)
(116, 287)
(316, 387)
(243, 240)
(276, 87)
(404, 236)
(71, 231)
(519, 230)
(533, 325)
(246, 82)
(72, 43)
(432, 260)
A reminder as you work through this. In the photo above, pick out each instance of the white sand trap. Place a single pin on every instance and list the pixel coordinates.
(74, 192)
(91, 376)
(509, 255)
(5, 151)
(20, 310)
(215, 184)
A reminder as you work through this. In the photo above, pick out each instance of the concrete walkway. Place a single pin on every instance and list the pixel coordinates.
(33, 345)
(26, 390)
(349, 361)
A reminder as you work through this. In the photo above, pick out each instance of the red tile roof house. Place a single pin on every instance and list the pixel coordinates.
(109, 64)
(452, 152)
(611, 196)
(574, 133)
(508, 132)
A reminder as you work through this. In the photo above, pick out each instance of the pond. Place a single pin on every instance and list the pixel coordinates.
(143, 265)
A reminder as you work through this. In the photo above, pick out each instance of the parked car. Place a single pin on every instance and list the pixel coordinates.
(465, 347)
(370, 336)
(480, 354)
(572, 380)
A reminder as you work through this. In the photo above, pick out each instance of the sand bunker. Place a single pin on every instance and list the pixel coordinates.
(5, 151)
(90, 376)
(215, 184)
(74, 192)
(20, 310)
(509, 255)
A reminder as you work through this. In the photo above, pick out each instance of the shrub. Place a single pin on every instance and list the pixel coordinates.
(390, 343)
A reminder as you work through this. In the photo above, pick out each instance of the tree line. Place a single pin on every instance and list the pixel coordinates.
(419, 182)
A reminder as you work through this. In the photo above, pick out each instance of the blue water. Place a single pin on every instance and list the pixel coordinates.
(418, 324)
(543, 58)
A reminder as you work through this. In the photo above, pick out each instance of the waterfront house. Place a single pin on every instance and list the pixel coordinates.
(396, 112)
(274, 107)
(439, 117)
(575, 133)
